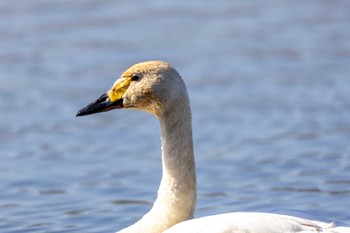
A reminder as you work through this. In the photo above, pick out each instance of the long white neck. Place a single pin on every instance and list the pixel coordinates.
(176, 198)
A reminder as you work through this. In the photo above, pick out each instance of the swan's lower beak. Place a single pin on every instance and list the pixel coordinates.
(102, 104)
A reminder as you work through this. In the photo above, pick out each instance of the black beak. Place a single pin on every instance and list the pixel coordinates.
(102, 104)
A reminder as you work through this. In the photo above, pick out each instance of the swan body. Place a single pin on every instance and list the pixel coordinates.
(251, 222)
(156, 87)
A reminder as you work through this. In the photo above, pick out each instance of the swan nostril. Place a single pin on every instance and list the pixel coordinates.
(103, 98)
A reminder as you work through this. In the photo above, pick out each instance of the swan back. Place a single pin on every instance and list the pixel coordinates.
(254, 222)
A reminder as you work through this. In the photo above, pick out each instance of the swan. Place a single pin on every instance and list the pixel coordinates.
(156, 87)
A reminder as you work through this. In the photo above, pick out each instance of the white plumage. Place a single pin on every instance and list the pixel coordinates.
(157, 88)
(250, 222)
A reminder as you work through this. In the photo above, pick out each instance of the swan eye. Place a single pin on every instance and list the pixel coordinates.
(135, 78)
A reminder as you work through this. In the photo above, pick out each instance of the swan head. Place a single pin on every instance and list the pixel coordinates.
(153, 86)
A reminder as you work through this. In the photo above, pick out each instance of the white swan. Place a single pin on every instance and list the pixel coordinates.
(157, 88)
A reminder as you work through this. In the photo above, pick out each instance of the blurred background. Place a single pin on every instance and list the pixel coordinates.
(269, 83)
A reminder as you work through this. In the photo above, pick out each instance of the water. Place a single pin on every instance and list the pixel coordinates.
(269, 87)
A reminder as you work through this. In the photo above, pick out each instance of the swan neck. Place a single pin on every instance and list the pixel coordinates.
(177, 192)
(178, 165)
(176, 197)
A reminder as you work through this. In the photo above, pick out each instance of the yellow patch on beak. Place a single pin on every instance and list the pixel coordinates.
(119, 88)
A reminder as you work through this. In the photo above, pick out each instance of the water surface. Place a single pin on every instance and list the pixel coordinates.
(269, 87)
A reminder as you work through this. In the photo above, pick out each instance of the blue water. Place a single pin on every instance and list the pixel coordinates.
(269, 83)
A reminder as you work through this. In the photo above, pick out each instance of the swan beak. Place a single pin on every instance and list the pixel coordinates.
(112, 99)
(102, 104)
